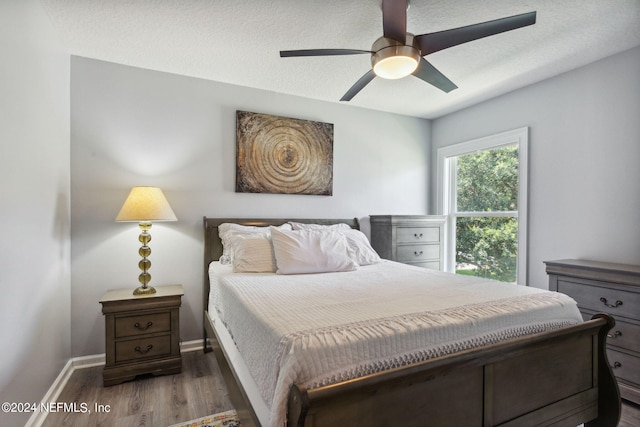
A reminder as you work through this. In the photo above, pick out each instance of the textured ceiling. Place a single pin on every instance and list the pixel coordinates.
(238, 42)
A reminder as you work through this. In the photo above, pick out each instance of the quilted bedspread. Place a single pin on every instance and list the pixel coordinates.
(318, 329)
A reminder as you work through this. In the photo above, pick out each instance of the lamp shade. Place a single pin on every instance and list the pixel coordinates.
(146, 204)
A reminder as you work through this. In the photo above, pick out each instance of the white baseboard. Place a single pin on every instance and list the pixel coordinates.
(38, 417)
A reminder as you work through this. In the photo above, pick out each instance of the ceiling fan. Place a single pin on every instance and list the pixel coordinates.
(398, 53)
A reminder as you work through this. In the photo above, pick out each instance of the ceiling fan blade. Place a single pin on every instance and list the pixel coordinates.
(431, 75)
(394, 19)
(321, 52)
(360, 84)
(440, 40)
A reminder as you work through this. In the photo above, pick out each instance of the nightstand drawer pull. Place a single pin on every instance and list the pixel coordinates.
(616, 365)
(141, 351)
(143, 328)
(615, 335)
(418, 236)
(418, 253)
(604, 301)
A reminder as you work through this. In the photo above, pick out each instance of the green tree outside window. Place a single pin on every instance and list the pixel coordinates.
(487, 181)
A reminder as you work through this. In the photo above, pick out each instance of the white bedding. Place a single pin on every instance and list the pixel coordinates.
(317, 329)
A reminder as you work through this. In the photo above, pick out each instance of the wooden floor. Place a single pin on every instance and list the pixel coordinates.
(630, 415)
(148, 401)
(161, 401)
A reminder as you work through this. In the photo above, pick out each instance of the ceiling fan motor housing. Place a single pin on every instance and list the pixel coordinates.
(392, 59)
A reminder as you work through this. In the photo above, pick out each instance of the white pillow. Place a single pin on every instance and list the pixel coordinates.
(360, 248)
(303, 226)
(310, 251)
(253, 253)
(227, 230)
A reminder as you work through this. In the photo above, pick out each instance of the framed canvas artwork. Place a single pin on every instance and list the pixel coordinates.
(281, 155)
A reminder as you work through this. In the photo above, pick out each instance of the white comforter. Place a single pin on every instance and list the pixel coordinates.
(318, 329)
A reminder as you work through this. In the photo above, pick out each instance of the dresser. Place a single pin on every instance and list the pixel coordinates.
(613, 289)
(142, 333)
(410, 239)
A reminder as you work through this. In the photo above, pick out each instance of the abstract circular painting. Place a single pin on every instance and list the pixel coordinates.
(281, 155)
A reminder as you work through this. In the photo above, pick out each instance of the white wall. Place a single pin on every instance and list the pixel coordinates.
(34, 193)
(584, 156)
(131, 126)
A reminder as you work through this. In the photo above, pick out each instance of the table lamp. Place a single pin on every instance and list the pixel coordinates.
(144, 205)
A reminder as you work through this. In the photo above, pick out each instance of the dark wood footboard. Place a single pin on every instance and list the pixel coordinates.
(559, 378)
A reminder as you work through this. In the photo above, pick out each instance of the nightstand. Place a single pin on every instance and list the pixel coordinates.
(142, 333)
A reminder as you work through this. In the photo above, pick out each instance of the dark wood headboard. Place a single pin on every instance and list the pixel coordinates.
(213, 244)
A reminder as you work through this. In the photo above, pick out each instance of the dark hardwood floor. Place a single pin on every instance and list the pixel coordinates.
(630, 415)
(148, 401)
(161, 401)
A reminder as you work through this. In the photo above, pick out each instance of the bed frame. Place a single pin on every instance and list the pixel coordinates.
(556, 378)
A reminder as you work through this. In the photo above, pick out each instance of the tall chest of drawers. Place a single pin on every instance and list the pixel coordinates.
(613, 289)
(142, 333)
(410, 239)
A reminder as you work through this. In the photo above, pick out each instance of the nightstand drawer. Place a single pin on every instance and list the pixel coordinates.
(416, 253)
(608, 300)
(625, 366)
(144, 348)
(143, 324)
(417, 234)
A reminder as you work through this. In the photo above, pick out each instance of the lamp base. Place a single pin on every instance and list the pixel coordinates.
(144, 290)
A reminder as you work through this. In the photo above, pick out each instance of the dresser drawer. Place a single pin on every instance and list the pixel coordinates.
(433, 265)
(143, 348)
(625, 335)
(608, 300)
(417, 234)
(129, 326)
(417, 253)
(625, 367)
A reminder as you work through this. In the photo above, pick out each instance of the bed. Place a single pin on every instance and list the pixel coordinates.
(554, 376)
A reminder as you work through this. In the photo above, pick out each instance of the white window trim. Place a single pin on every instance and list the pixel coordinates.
(446, 198)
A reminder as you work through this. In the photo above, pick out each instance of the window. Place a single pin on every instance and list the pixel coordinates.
(482, 189)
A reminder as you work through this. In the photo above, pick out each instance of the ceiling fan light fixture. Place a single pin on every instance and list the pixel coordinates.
(393, 60)
(395, 67)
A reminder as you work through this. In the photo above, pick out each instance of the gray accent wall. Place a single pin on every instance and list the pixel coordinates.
(584, 157)
(34, 195)
(131, 126)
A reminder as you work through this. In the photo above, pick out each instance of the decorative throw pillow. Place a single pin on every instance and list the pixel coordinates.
(253, 253)
(228, 229)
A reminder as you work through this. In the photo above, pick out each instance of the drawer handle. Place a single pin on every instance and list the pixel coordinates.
(617, 365)
(141, 351)
(417, 253)
(143, 328)
(617, 304)
(417, 236)
(615, 335)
